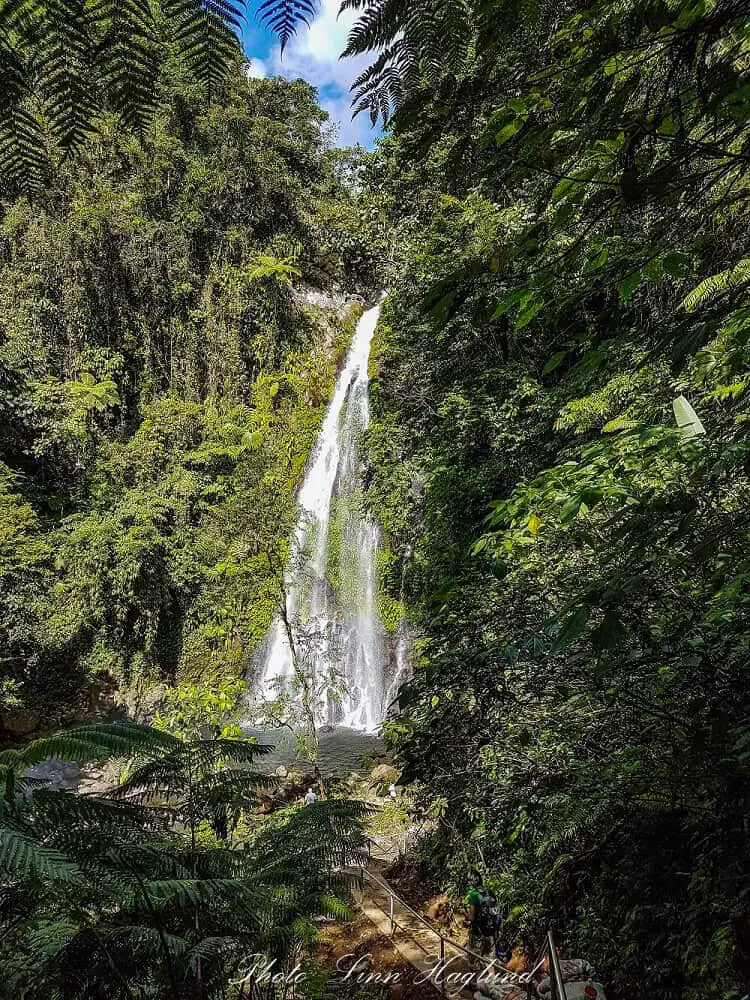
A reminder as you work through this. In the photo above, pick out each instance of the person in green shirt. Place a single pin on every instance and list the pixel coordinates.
(480, 935)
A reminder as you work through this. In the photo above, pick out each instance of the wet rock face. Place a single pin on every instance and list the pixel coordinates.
(68, 775)
(101, 701)
(289, 787)
(336, 302)
(20, 721)
(384, 773)
(142, 706)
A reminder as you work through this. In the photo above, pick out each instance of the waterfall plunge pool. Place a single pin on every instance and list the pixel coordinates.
(342, 750)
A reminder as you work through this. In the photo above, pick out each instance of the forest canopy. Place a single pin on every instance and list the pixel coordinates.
(568, 188)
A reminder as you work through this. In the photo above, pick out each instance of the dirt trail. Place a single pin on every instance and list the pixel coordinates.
(447, 969)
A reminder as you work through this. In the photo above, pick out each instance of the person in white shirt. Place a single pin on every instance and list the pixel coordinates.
(392, 792)
(311, 798)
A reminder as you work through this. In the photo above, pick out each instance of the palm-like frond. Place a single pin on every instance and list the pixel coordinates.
(709, 288)
(60, 64)
(323, 835)
(144, 858)
(194, 768)
(49, 937)
(67, 814)
(211, 948)
(378, 25)
(285, 16)
(142, 940)
(414, 41)
(89, 744)
(111, 886)
(126, 55)
(24, 855)
(205, 32)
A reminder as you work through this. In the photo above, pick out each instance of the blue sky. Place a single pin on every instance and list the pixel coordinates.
(313, 54)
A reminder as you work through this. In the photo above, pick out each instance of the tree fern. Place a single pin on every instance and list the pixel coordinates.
(716, 284)
(60, 66)
(205, 34)
(22, 143)
(50, 937)
(23, 855)
(131, 900)
(284, 16)
(414, 42)
(87, 744)
(140, 939)
(126, 56)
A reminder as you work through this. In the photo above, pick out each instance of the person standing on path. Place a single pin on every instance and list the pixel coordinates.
(311, 798)
(479, 906)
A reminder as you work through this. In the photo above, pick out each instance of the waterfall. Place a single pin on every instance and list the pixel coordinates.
(403, 644)
(332, 579)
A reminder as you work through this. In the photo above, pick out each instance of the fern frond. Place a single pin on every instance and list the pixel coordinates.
(60, 66)
(284, 17)
(619, 424)
(183, 893)
(127, 56)
(205, 34)
(75, 58)
(209, 949)
(414, 42)
(23, 150)
(167, 776)
(23, 855)
(714, 285)
(88, 744)
(156, 860)
(332, 906)
(65, 813)
(377, 27)
(50, 937)
(142, 940)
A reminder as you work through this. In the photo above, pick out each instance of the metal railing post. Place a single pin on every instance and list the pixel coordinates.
(372, 879)
(554, 962)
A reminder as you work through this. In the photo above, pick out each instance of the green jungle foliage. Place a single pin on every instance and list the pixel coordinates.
(568, 185)
(65, 62)
(162, 379)
(167, 885)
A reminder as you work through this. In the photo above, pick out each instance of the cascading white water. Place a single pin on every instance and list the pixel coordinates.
(332, 605)
(403, 646)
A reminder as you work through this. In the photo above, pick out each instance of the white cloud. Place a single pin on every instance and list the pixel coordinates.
(313, 54)
(257, 69)
(349, 131)
(326, 38)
